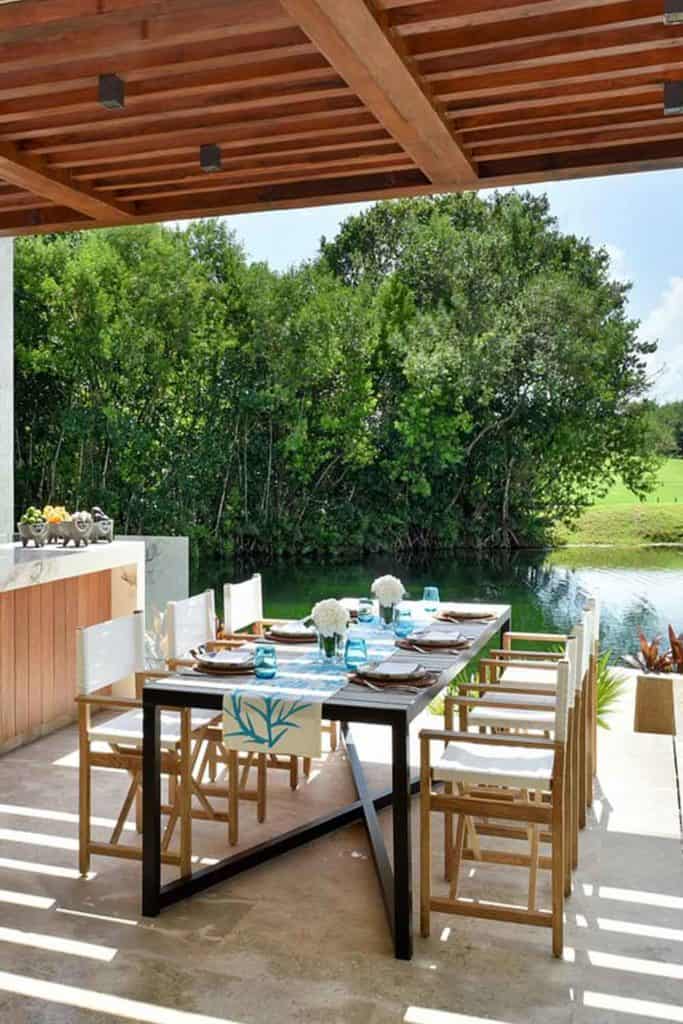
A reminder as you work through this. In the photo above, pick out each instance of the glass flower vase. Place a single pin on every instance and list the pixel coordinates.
(386, 615)
(329, 647)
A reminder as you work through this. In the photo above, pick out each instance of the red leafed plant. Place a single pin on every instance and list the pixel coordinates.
(676, 642)
(650, 658)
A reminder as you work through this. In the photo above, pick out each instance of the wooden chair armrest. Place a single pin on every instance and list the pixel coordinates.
(505, 705)
(544, 691)
(505, 655)
(539, 638)
(120, 703)
(446, 735)
(518, 662)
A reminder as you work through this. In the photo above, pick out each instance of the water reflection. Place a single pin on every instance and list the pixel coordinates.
(638, 588)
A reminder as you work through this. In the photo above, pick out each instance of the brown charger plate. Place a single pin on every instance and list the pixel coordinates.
(420, 647)
(223, 670)
(414, 683)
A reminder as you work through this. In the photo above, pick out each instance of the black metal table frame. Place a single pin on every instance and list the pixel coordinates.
(396, 883)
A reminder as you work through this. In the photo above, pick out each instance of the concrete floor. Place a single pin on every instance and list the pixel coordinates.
(304, 939)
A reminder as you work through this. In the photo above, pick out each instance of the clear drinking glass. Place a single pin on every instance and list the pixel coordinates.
(356, 653)
(366, 609)
(403, 621)
(265, 661)
(431, 599)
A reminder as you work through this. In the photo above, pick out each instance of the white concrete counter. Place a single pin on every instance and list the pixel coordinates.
(26, 567)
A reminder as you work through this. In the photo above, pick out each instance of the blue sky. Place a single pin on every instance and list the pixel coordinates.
(639, 218)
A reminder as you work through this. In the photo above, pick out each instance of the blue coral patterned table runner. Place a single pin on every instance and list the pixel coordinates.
(283, 715)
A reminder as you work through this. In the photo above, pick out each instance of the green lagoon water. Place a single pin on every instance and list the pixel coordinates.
(639, 588)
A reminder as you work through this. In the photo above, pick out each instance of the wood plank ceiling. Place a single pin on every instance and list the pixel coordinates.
(317, 101)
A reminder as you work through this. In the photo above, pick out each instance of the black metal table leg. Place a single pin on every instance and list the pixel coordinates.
(151, 811)
(377, 844)
(403, 882)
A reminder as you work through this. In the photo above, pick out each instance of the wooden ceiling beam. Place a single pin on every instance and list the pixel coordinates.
(560, 26)
(556, 102)
(577, 121)
(235, 181)
(239, 166)
(569, 142)
(228, 18)
(229, 137)
(47, 17)
(301, 70)
(537, 54)
(34, 175)
(506, 83)
(185, 161)
(625, 159)
(410, 17)
(278, 197)
(196, 127)
(359, 47)
(230, 53)
(264, 101)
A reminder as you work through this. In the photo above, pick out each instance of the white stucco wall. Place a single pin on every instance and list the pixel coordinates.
(6, 388)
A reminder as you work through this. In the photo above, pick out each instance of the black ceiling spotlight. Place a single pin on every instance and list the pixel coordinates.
(673, 12)
(673, 97)
(112, 92)
(210, 157)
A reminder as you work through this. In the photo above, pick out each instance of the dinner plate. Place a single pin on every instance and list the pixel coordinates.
(224, 661)
(390, 672)
(436, 640)
(296, 631)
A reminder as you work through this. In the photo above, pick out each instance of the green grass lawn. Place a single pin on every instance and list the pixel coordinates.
(621, 519)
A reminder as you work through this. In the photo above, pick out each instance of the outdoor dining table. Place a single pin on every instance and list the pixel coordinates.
(394, 708)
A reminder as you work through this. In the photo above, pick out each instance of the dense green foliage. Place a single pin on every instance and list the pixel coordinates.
(448, 371)
(667, 428)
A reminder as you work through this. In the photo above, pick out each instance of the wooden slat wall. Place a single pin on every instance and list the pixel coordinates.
(38, 651)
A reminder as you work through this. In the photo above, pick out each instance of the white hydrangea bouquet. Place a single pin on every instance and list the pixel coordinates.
(389, 592)
(331, 619)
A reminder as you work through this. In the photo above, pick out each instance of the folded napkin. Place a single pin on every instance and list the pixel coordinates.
(451, 615)
(393, 676)
(224, 659)
(391, 669)
(296, 629)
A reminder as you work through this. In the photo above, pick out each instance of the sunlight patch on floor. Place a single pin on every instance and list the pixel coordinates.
(636, 1007)
(57, 944)
(26, 899)
(423, 1015)
(101, 1002)
(97, 917)
(12, 835)
(634, 965)
(15, 810)
(36, 868)
(631, 928)
(649, 899)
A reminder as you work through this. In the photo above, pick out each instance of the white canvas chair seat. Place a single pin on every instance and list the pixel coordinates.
(517, 676)
(509, 718)
(488, 765)
(127, 728)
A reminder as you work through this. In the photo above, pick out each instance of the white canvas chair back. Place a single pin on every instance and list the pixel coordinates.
(110, 651)
(243, 604)
(562, 702)
(189, 623)
(571, 657)
(593, 606)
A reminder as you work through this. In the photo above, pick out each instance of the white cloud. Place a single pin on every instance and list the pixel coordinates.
(665, 324)
(617, 259)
